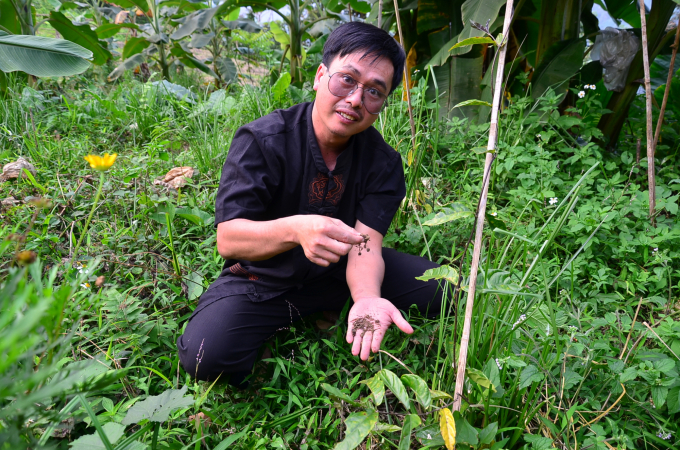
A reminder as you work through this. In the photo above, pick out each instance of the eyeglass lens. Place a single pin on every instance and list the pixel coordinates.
(342, 85)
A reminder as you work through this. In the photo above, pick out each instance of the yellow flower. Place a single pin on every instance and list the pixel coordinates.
(101, 163)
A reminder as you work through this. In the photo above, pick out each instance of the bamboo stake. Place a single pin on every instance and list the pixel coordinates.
(380, 13)
(493, 137)
(668, 85)
(407, 87)
(651, 175)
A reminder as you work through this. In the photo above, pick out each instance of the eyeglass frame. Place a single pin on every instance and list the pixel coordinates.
(358, 85)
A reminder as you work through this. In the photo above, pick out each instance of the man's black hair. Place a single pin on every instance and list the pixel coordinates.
(372, 41)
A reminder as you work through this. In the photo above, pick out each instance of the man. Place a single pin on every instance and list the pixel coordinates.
(305, 198)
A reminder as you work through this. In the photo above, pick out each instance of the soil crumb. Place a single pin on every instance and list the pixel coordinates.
(365, 323)
(364, 245)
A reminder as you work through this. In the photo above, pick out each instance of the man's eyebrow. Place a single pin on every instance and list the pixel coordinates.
(356, 72)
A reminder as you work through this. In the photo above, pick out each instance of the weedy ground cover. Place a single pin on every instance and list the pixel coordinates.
(575, 335)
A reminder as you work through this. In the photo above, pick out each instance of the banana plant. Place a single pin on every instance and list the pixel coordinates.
(42, 56)
(162, 36)
(297, 23)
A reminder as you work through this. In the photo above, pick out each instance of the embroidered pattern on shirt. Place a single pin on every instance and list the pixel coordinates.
(237, 269)
(319, 185)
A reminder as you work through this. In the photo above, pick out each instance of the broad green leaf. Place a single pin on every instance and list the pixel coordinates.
(200, 40)
(8, 17)
(465, 433)
(281, 85)
(538, 442)
(487, 435)
(194, 285)
(360, 6)
(195, 21)
(447, 427)
(386, 427)
(82, 35)
(659, 394)
(473, 102)
(226, 68)
(180, 92)
(42, 56)
(480, 378)
(420, 388)
(435, 394)
(673, 400)
(190, 61)
(377, 388)
(410, 422)
(224, 445)
(114, 431)
(441, 217)
(108, 30)
(158, 408)
(280, 35)
(127, 64)
(395, 385)
(473, 41)
(134, 45)
(337, 393)
(444, 272)
(630, 373)
(479, 11)
(195, 216)
(559, 64)
(530, 375)
(571, 379)
(358, 424)
(665, 366)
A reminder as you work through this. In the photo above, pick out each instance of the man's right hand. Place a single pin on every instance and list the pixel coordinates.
(325, 239)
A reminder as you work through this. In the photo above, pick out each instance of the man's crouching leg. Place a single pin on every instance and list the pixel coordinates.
(222, 338)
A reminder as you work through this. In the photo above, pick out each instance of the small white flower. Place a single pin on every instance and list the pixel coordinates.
(593, 87)
(553, 200)
(538, 135)
(85, 285)
(134, 126)
(581, 94)
(429, 436)
(494, 214)
(521, 319)
(499, 365)
(656, 249)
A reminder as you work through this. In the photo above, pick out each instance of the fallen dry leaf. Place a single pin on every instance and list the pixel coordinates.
(176, 177)
(16, 169)
(120, 17)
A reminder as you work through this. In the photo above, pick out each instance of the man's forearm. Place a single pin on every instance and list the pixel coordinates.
(255, 241)
(365, 273)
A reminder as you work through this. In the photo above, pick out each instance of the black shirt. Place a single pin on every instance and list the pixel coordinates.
(275, 169)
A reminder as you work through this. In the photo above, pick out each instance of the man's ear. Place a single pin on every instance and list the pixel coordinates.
(320, 71)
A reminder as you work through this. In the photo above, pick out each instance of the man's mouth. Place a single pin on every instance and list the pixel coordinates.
(346, 116)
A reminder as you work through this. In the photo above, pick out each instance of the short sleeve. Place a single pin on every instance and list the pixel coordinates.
(248, 181)
(384, 194)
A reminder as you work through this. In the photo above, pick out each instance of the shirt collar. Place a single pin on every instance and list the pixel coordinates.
(344, 160)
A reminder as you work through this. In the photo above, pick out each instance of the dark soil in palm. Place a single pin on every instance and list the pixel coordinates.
(365, 323)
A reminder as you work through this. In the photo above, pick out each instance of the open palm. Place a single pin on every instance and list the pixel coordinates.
(368, 322)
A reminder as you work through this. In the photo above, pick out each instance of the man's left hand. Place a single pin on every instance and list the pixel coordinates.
(368, 322)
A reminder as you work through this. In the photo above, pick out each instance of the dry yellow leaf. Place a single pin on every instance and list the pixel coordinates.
(448, 428)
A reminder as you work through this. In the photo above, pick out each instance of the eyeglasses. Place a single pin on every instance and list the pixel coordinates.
(343, 85)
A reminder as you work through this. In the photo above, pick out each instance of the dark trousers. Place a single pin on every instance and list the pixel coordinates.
(224, 336)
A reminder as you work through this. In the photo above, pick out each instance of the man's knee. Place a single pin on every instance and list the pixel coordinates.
(206, 361)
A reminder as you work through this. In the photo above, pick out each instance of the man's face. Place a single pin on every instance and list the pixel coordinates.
(343, 117)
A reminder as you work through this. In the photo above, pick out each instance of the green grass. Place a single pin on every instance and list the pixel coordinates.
(559, 285)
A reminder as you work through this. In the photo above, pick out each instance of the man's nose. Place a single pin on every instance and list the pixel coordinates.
(355, 98)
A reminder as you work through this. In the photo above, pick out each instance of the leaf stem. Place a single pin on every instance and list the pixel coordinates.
(89, 218)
